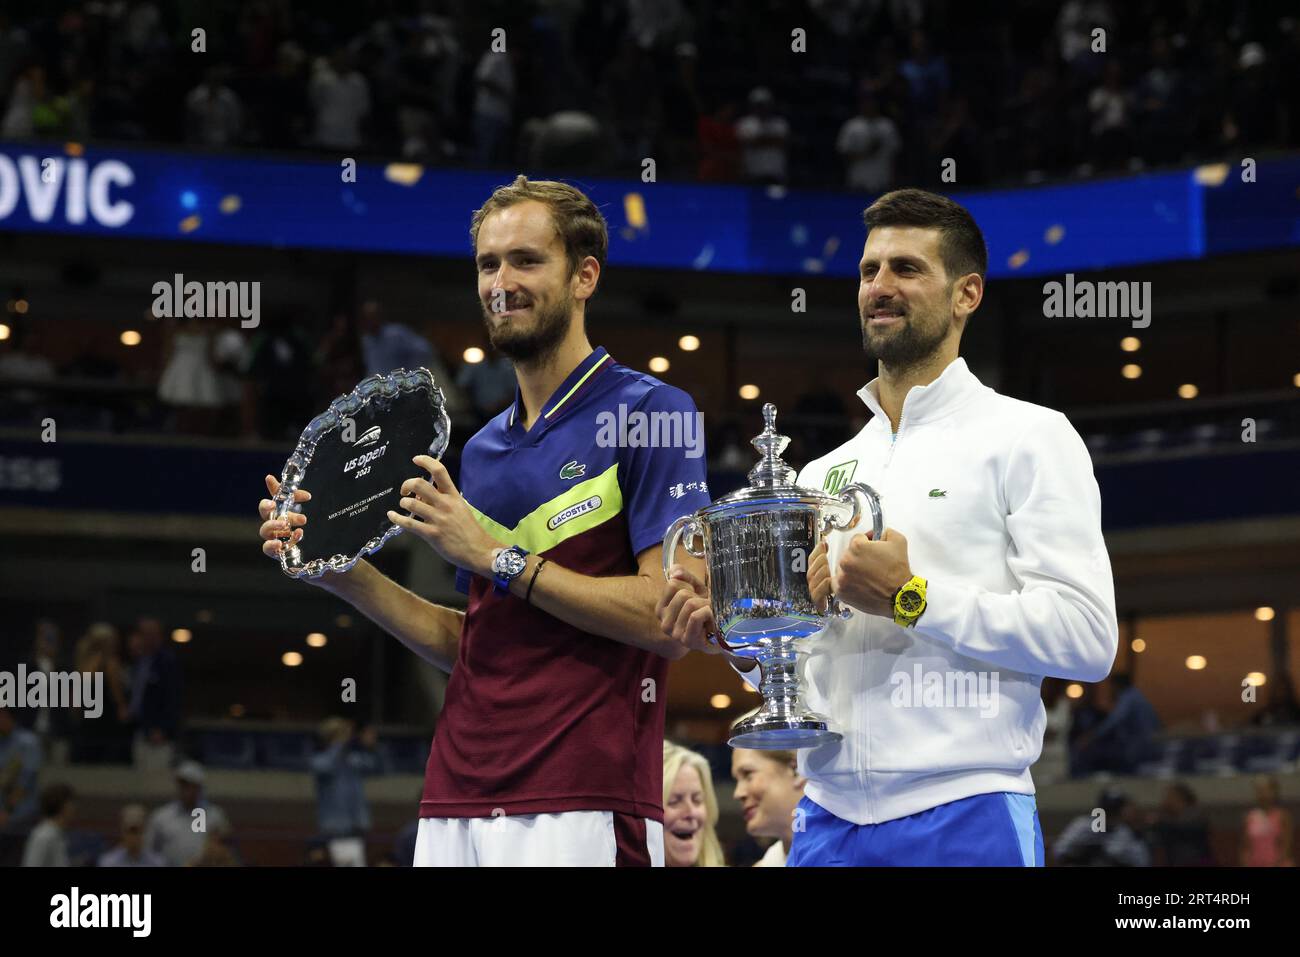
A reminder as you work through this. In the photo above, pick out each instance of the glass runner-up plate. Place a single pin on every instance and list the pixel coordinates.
(353, 459)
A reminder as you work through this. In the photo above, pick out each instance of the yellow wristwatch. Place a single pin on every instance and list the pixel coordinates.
(909, 601)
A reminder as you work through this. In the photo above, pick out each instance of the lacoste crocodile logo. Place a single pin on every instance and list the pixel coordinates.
(573, 470)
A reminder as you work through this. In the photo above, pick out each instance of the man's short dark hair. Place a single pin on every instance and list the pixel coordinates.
(54, 798)
(961, 243)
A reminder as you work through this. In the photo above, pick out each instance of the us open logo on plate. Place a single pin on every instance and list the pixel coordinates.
(369, 437)
(573, 511)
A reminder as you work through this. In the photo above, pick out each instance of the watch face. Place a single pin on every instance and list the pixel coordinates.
(910, 602)
(509, 563)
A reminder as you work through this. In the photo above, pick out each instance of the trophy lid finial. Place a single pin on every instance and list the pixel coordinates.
(771, 470)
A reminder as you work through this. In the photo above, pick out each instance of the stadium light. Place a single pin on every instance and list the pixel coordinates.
(691, 343)
(720, 701)
(1131, 371)
(749, 392)
(658, 364)
(1196, 662)
(473, 355)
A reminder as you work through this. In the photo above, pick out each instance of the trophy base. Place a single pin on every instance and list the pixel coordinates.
(782, 734)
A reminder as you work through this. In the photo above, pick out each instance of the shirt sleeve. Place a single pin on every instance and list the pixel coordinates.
(660, 484)
(1061, 622)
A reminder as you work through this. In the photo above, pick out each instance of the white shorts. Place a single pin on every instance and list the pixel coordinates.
(566, 839)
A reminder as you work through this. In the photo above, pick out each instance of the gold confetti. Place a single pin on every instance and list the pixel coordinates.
(230, 204)
(190, 223)
(1054, 234)
(1018, 258)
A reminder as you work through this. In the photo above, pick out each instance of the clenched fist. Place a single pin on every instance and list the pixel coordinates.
(870, 572)
(685, 612)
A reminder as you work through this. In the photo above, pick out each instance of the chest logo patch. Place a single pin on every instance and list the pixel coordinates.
(572, 470)
(840, 476)
(573, 511)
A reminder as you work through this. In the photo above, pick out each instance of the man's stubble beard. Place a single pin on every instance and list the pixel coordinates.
(905, 347)
(537, 344)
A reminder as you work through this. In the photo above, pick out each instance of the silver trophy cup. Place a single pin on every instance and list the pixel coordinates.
(758, 543)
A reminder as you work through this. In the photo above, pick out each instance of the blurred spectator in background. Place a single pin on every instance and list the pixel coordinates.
(189, 383)
(567, 139)
(494, 105)
(1118, 743)
(155, 697)
(216, 851)
(1179, 834)
(47, 845)
(338, 358)
(387, 345)
(18, 361)
(868, 141)
(47, 722)
(1252, 120)
(1268, 832)
(764, 137)
(1074, 29)
(1282, 709)
(719, 147)
(956, 137)
(768, 787)
(170, 833)
(213, 113)
(280, 106)
(33, 110)
(340, 99)
(423, 74)
(1106, 839)
(690, 810)
(927, 80)
(1086, 715)
(130, 850)
(107, 738)
(681, 119)
(20, 767)
(1111, 107)
(489, 385)
(1160, 107)
(229, 357)
(276, 366)
(345, 758)
(733, 455)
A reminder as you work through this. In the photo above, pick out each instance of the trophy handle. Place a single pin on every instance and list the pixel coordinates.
(854, 495)
(674, 535)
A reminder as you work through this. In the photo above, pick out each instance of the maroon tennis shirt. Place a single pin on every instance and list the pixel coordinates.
(540, 716)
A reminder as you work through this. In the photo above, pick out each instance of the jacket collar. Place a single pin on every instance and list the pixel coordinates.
(927, 402)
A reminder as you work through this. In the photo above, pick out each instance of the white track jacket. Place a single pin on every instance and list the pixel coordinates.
(1002, 515)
